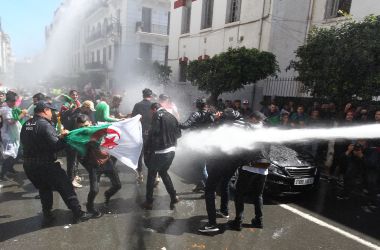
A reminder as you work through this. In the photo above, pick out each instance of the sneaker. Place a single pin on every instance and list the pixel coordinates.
(157, 181)
(222, 214)
(173, 202)
(147, 205)
(208, 229)
(78, 178)
(48, 218)
(12, 171)
(95, 213)
(81, 216)
(257, 223)
(107, 199)
(235, 225)
(76, 184)
(198, 189)
(140, 178)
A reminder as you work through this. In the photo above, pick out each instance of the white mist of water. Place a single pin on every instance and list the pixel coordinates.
(231, 140)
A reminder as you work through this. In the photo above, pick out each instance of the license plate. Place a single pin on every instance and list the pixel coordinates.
(304, 181)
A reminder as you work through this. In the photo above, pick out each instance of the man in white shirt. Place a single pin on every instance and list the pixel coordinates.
(10, 133)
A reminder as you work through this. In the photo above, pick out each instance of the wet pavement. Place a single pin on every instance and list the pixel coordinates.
(351, 225)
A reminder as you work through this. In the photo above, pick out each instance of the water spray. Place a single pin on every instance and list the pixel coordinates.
(231, 140)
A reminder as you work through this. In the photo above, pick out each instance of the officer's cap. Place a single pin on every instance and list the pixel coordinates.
(41, 105)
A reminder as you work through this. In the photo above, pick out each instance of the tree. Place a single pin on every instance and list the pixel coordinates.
(231, 70)
(341, 62)
(154, 72)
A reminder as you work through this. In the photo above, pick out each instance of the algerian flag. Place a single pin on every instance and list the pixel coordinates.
(122, 140)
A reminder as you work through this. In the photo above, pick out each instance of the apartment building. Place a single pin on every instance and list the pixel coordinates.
(112, 35)
(203, 28)
(5, 56)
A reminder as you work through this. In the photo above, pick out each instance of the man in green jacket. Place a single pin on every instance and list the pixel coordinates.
(102, 113)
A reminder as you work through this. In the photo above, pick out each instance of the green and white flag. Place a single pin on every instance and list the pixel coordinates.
(122, 140)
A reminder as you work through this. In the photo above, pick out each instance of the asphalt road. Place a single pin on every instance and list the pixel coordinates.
(314, 221)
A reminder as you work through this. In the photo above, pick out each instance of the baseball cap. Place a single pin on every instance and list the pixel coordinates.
(245, 102)
(41, 105)
(88, 104)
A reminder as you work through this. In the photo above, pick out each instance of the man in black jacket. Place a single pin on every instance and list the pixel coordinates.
(143, 108)
(160, 151)
(200, 119)
(41, 143)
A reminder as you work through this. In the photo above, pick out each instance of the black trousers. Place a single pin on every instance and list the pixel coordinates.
(72, 162)
(160, 163)
(219, 171)
(7, 166)
(51, 177)
(252, 185)
(110, 170)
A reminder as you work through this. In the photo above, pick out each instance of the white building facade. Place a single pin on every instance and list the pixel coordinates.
(113, 34)
(6, 61)
(203, 28)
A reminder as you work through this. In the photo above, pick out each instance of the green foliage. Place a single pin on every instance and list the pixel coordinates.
(155, 72)
(231, 70)
(341, 62)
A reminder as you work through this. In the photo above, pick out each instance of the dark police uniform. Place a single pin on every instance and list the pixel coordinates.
(41, 143)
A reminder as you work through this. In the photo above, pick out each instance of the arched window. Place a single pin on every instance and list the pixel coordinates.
(105, 26)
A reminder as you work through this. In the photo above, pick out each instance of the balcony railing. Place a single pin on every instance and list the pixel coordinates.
(95, 65)
(153, 28)
(111, 30)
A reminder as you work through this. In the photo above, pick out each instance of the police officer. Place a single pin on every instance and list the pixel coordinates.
(200, 119)
(41, 143)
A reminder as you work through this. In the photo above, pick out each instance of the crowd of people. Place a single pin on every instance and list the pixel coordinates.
(37, 133)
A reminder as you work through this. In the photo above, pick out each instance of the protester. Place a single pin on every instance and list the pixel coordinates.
(115, 107)
(200, 119)
(10, 133)
(251, 181)
(102, 113)
(160, 151)
(143, 108)
(98, 162)
(41, 143)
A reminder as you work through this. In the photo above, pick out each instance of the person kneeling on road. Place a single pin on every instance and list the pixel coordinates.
(41, 143)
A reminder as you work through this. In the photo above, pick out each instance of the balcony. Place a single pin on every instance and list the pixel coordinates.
(95, 66)
(152, 29)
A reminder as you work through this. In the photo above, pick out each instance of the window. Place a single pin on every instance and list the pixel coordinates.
(104, 55)
(186, 17)
(233, 11)
(146, 19)
(182, 71)
(92, 57)
(337, 8)
(207, 13)
(98, 55)
(110, 52)
(146, 51)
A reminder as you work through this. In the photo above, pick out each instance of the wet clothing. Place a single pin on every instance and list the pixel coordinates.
(164, 131)
(41, 144)
(102, 113)
(198, 120)
(110, 170)
(143, 108)
(160, 151)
